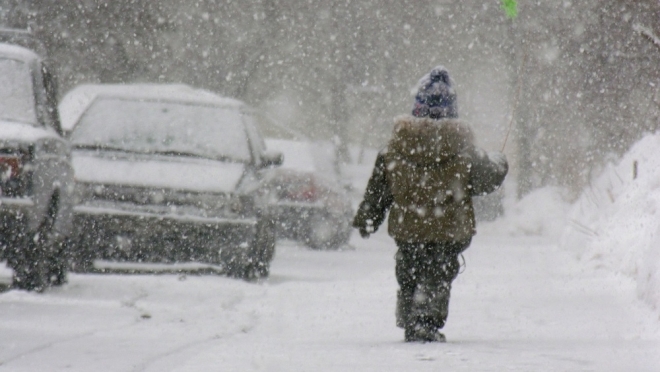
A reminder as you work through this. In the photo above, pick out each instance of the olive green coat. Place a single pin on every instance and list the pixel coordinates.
(426, 178)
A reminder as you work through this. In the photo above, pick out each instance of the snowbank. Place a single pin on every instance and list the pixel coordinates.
(540, 213)
(615, 222)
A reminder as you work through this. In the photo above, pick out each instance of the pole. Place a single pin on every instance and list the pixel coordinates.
(517, 100)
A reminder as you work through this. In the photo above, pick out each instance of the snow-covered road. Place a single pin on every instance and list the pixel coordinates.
(521, 305)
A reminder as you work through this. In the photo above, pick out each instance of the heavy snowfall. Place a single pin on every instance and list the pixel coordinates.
(524, 301)
(562, 275)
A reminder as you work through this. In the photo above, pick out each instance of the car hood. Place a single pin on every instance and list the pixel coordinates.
(163, 172)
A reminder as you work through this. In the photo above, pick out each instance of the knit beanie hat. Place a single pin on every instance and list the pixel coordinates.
(435, 96)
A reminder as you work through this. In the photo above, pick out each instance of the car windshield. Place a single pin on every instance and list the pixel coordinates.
(16, 94)
(163, 127)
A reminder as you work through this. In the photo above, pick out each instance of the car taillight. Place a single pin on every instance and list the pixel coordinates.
(304, 192)
(14, 178)
(310, 193)
(10, 167)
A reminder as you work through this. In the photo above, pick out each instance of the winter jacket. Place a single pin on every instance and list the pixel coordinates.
(426, 177)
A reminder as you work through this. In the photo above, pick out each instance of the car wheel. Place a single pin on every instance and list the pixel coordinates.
(256, 263)
(29, 264)
(33, 258)
(325, 232)
(264, 248)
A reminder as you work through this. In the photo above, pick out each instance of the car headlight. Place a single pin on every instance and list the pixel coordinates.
(235, 205)
(242, 204)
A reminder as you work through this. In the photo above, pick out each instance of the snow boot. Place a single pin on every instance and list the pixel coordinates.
(423, 334)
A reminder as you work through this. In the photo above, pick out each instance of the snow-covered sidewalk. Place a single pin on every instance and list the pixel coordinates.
(522, 304)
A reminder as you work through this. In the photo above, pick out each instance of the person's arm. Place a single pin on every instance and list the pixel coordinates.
(377, 200)
(487, 171)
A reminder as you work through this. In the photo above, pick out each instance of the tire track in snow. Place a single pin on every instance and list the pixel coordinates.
(63, 340)
(47, 345)
(176, 352)
(172, 353)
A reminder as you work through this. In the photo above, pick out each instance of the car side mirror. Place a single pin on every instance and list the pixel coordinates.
(272, 159)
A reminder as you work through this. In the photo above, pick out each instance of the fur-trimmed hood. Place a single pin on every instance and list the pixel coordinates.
(426, 141)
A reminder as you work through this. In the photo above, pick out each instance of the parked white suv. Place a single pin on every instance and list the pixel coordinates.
(167, 174)
(36, 176)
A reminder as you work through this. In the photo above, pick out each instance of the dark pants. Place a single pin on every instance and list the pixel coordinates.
(425, 272)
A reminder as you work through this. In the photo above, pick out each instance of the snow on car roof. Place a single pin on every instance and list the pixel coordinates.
(76, 101)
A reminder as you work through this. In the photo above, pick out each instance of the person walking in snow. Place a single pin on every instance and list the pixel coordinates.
(426, 177)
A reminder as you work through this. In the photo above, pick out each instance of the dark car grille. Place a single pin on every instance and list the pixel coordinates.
(149, 196)
(124, 195)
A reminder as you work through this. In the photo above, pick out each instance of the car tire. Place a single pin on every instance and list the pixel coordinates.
(38, 260)
(29, 264)
(256, 263)
(325, 232)
(264, 248)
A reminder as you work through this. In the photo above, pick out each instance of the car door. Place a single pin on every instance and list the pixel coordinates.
(53, 171)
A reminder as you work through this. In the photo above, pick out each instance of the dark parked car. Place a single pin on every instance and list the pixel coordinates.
(167, 174)
(36, 177)
(310, 203)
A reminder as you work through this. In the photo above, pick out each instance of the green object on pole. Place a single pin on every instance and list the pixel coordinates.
(510, 7)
